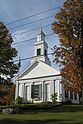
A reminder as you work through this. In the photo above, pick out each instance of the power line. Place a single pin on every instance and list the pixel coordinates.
(32, 15)
(31, 39)
(30, 57)
(31, 22)
(16, 34)
(24, 41)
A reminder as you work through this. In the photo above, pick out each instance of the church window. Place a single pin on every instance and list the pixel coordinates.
(75, 96)
(66, 94)
(36, 92)
(38, 52)
(71, 94)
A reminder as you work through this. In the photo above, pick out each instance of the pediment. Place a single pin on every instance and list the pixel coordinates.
(39, 69)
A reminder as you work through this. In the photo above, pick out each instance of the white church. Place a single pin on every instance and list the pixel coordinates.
(40, 80)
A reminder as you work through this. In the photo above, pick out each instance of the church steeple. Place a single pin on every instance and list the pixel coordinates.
(41, 49)
(41, 36)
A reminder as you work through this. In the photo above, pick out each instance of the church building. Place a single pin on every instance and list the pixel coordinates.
(40, 80)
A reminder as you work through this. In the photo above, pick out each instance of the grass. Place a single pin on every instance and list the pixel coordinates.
(66, 114)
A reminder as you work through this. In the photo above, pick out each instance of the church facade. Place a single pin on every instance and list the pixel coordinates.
(40, 80)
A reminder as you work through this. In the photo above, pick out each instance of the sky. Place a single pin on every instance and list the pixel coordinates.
(13, 10)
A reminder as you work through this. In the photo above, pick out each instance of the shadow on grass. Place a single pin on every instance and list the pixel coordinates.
(68, 108)
(58, 109)
(55, 121)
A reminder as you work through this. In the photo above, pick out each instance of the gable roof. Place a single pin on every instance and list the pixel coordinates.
(38, 69)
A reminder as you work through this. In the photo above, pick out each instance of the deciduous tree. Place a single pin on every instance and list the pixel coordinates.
(7, 66)
(69, 27)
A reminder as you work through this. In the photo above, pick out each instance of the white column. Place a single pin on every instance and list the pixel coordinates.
(54, 86)
(57, 89)
(78, 98)
(69, 94)
(30, 92)
(63, 93)
(17, 90)
(43, 91)
(24, 91)
(32, 99)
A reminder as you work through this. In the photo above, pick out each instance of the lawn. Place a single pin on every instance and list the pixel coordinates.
(67, 114)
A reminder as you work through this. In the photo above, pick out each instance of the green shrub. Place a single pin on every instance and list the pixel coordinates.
(54, 98)
(18, 100)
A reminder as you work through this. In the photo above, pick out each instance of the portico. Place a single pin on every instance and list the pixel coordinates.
(39, 90)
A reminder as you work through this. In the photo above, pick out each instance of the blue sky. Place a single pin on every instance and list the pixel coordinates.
(12, 10)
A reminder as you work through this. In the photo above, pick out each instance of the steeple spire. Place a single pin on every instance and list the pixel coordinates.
(41, 49)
